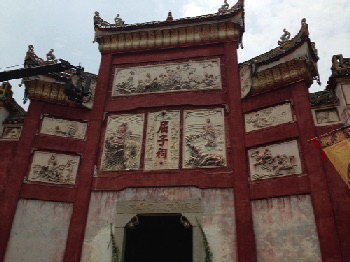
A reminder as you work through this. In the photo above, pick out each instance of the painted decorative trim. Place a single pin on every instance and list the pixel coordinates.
(163, 140)
(282, 74)
(161, 37)
(48, 89)
(123, 143)
(170, 77)
(276, 160)
(54, 168)
(204, 142)
(268, 117)
(63, 128)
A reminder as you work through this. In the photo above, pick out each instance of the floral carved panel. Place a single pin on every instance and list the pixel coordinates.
(171, 77)
(204, 138)
(123, 143)
(163, 139)
(276, 160)
(268, 117)
(63, 128)
(54, 168)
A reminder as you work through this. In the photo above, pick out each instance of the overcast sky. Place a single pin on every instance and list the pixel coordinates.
(67, 27)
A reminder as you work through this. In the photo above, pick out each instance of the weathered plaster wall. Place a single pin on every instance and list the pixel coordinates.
(218, 218)
(285, 229)
(39, 231)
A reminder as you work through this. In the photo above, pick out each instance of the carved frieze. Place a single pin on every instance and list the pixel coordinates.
(163, 139)
(172, 77)
(54, 168)
(276, 160)
(204, 138)
(63, 128)
(11, 132)
(123, 142)
(268, 117)
(327, 116)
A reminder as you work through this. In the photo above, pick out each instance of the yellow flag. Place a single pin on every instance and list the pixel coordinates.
(336, 145)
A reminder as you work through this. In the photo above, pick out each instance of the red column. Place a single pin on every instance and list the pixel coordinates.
(17, 171)
(246, 249)
(322, 205)
(86, 170)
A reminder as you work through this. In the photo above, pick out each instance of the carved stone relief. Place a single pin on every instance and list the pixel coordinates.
(163, 139)
(64, 128)
(268, 117)
(54, 168)
(11, 132)
(246, 80)
(172, 77)
(204, 138)
(327, 116)
(276, 160)
(123, 143)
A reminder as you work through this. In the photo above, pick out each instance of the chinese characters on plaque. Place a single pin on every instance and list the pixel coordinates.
(203, 144)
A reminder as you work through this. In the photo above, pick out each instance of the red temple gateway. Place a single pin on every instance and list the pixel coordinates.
(177, 153)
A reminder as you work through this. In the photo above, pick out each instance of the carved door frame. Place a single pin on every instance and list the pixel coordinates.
(191, 209)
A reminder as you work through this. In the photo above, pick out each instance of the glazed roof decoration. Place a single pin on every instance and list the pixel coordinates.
(48, 87)
(16, 112)
(226, 24)
(294, 59)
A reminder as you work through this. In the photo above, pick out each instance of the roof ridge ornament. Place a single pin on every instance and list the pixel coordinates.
(284, 38)
(224, 8)
(169, 17)
(118, 21)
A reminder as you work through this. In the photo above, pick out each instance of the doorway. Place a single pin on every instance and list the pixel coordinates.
(158, 238)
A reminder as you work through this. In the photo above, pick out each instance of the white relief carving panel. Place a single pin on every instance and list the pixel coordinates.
(54, 168)
(63, 128)
(204, 138)
(268, 117)
(171, 77)
(123, 143)
(328, 116)
(246, 80)
(12, 132)
(275, 160)
(163, 139)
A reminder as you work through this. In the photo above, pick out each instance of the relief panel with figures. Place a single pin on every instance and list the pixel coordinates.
(171, 77)
(63, 128)
(163, 139)
(276, 160)
(54, 168)
(268, 117)
(123, 143)
(204, 138)
(11, 132)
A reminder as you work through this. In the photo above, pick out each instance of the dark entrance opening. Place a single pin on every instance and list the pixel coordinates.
(158, 238)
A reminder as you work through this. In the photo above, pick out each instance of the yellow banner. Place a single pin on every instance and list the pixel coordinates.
(339, 155)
